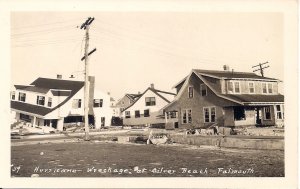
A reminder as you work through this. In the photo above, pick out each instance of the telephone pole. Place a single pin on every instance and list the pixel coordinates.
(261, 68)
(86, 26)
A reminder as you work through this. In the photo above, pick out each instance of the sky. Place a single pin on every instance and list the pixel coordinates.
(135, 49)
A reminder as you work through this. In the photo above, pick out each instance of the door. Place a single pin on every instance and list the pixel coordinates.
(258, 115)
(102, 121)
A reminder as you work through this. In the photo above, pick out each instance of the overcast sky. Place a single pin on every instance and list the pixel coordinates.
(135, 49)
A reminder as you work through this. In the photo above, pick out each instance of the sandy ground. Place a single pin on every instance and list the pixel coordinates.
(111, 159)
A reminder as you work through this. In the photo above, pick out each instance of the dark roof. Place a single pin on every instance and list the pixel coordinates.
(21, 86)
(57, 84)
(154, 91)
(39, 110)
(247, 98)
(133, 96)
(230, 74)
(60, 93)
(35, 89)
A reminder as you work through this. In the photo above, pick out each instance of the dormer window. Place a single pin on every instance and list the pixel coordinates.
(264, 88)
(203, 89)
(234, 87)
(251, 87)
(40, 100)
(270, 88)
(13, 95)
(22, 96)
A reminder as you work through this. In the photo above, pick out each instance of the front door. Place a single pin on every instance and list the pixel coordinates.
(258, 115)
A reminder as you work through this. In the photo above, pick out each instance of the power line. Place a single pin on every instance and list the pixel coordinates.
(44, 31)
(48, 43)
(46, 24)
(261, 68)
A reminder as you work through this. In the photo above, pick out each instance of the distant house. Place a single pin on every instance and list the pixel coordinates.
(57, 103)
(225, 98)
(126, 101)
(146, 109)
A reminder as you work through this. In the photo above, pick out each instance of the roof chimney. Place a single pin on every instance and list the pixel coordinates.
(108, 93)
(226, 68)
(152, 86)
(59, 76)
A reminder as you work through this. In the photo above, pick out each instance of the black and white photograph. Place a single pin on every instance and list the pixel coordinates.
(151, 94)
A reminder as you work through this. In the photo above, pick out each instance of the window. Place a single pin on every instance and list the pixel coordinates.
(137, 114)
(279, 110)
(270, 88)
(203, 89)
(267, 113)
(230, 87)
(146, 113)
(127, 114)
(264, 88)
(76, 103)
(49, 102)
(150, 101)
(22, 97)
(187, 116)
(237, 87)
(234, 87)
(40, 100)
(209, 114)
(191, 92)
(172, 114)
(25, 117)
(98, 103)
(13, 95)
(251, 87)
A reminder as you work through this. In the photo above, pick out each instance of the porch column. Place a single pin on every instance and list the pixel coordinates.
(166, 117)
(60, 124)
(34, 121)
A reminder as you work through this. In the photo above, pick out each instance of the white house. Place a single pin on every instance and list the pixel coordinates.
(146, 110)
(57, 103)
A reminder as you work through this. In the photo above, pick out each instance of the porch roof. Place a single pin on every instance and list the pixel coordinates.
(34, 109)
(248, 98)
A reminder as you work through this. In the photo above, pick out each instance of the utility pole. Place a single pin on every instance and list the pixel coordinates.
(261, 68)
(86, 26)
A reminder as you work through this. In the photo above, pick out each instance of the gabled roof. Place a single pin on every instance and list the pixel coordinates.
(133, 96)
(46, 84)
(227, 75)
(162, 94)
(208, 77)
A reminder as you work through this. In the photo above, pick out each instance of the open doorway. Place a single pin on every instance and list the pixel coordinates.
(239, 113)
